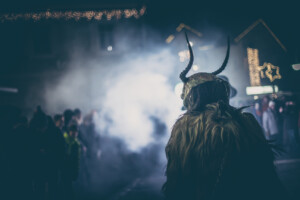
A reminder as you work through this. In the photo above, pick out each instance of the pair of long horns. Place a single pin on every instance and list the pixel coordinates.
(187, 69)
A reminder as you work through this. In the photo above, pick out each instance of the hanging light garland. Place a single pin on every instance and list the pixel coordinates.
(75, 15)
(253, 62)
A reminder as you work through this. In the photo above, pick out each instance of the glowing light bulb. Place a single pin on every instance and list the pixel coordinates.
(109, 48)
(296, 67)
(195, 67)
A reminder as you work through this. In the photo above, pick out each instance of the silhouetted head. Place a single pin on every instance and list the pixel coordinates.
(73, 130)
(77, 115)
(68, 116)
(58, 120)
(39, 120)
(272, 105)
(204, 88)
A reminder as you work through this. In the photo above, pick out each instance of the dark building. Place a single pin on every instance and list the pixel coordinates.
(258, 64)
(39, 44)
(265, 57)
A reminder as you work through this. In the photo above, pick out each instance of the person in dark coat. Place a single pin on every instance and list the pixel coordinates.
(15, 155)
(290, 128)
(72, 161)
(48, 152)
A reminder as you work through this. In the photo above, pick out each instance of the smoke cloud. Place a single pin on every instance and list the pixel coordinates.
(129, 92)
(133, 91)
(137, 94)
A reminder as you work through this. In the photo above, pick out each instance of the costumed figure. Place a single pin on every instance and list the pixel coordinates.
(215, 150)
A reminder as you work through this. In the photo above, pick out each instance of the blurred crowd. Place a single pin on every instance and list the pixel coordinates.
(280, 119)
(42, 157)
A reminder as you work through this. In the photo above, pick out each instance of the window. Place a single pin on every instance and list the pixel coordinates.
(41, 39)
(106, 37)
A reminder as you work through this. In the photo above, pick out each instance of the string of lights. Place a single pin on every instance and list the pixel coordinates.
(75, 15)
(253, 62)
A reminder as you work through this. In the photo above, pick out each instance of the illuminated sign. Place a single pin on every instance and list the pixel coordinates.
(10, 90)
(254, 90)
(269, 71)
(257, 72)
(253, 62)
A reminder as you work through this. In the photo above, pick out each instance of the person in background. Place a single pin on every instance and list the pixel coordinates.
(72, 160)
(77, 119)
(83, 171)
(38, 126)
(265, 103)
(68, 119)
(59, 121)
(78, 116)
(49, 152)
(56, 155)
(270, 123)
(16, 156)
(257, 113)
(92, 153)
(290, 128)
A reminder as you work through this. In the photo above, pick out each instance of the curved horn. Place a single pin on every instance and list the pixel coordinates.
(225, 61)
(187, 69)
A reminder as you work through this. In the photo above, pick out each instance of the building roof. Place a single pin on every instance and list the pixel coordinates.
(182, 27)
(252, 27)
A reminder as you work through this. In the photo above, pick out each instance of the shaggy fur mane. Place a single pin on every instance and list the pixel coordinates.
(207, 147)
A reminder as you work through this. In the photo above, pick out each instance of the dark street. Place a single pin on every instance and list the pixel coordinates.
(150, 188)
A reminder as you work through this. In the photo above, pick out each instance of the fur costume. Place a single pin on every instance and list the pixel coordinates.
(215, 151)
